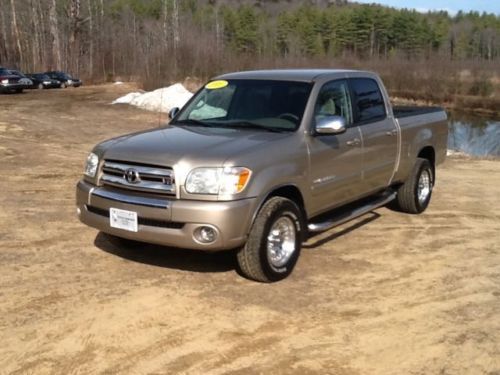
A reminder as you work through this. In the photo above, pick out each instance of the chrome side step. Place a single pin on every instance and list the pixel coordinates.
(347, 216)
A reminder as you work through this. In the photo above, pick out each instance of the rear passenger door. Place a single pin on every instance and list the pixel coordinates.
(379, 133)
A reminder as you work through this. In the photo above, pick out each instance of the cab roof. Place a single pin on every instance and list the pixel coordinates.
(303, 75)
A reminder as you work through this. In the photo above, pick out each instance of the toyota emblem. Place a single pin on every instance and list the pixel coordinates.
(132, 176)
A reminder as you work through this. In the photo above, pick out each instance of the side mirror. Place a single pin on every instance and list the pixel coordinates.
(331, 125)
(173, 112)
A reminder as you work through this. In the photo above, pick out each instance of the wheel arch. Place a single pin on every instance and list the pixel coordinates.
(429, 153)
(289, 191)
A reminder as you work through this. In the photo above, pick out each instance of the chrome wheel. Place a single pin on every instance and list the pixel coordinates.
(281, 242)
(424, 186)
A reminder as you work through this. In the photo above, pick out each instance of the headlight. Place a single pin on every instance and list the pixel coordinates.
(5, 81)
(229, 180)
(91, 165)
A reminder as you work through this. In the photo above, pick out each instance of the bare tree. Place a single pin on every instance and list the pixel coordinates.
(15, 31)
(54, 32)
(91, 40)
(165, 23)
(3, 39)
(35, 25)
(74, 37)
(175, 26)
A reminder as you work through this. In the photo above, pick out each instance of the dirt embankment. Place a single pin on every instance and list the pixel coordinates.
(387, 294)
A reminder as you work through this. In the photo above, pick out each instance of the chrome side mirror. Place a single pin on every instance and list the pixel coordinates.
(330, 125)
(173, 112)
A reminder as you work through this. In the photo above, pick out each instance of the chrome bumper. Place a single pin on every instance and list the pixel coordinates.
(166, 221)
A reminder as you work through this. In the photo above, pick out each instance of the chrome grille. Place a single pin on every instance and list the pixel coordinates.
(138, 177)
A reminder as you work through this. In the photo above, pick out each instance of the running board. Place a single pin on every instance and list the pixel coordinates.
(347, 216)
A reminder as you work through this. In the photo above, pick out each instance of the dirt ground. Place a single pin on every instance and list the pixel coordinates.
(387, 294)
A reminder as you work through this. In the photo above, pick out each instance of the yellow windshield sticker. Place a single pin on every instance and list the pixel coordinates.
(216, 84)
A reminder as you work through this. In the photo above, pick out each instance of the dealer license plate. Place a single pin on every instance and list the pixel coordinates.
(123, 219)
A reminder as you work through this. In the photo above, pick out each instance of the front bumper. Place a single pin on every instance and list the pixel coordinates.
(167, 221)
(8, 87)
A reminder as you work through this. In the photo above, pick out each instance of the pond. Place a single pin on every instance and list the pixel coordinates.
(474, 135)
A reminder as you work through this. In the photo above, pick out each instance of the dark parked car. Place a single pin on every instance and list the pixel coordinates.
(23, 79)
(65, 79)
(43, 81)
(10, 82)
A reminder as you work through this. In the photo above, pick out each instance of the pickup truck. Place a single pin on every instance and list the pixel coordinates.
(257, 161)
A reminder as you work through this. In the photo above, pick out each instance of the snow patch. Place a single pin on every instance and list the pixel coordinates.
(127, 99)
(160, 100)
(450, 152)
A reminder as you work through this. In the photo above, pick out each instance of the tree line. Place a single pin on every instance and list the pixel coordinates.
(170, 39)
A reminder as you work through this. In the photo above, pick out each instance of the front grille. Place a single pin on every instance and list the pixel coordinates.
(141, 220)
(138, 177)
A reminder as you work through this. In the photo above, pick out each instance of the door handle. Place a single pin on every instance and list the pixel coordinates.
(391, 133)
(354, 142)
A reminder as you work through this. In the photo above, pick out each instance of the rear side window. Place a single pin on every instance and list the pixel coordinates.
(368, 101)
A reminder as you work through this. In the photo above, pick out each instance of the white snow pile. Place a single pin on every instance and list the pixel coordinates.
(160, 100)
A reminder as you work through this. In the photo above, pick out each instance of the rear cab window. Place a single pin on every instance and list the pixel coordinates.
(368, 102)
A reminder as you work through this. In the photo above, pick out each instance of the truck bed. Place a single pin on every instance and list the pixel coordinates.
(407, 111)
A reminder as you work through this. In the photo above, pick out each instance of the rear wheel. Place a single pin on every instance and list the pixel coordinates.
(274, 242)
(415, 194)
(40, 86)
(63, 85)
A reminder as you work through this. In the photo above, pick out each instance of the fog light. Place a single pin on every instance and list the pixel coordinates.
(205, 234)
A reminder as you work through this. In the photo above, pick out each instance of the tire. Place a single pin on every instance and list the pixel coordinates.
(19, 91)
(258, 259)
(414, 195)
(63, 85)
(40, 86)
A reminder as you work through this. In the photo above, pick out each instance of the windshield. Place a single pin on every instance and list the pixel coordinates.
(256, 104)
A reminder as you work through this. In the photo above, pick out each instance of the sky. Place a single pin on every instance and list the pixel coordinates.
(452, 6)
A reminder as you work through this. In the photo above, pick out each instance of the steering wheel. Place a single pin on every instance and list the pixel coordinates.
(290, 117)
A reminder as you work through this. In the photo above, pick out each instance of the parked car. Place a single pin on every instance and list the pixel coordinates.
(257, 161)
(65, 79)
(24, 80)
(43, 81)
(10, 82)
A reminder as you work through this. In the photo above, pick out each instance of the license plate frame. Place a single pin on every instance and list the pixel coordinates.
(123, 219)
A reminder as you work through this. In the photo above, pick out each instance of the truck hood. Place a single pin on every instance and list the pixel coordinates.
(189, 145)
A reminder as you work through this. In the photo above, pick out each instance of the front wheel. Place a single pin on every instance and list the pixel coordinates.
(415, 194)
(274, 242)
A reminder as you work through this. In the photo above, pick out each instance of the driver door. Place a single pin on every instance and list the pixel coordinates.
(336, 160)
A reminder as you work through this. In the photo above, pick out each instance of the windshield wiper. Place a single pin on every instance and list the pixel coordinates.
(252, 125)
(191, 121)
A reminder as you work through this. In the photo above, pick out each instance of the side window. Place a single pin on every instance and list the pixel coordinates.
(368, 101)
(333, 100)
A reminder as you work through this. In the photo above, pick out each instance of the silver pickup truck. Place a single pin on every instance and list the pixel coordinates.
(257, 161)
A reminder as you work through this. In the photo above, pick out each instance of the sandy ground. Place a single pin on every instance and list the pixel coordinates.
(387, 294)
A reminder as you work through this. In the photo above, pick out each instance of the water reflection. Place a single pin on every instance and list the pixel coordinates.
(474, 135)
